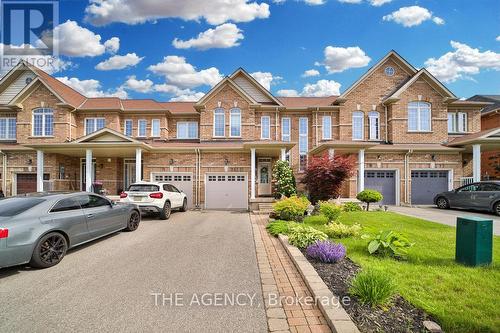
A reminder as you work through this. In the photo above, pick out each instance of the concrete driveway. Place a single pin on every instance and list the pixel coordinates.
(445, 216)
(126, 281)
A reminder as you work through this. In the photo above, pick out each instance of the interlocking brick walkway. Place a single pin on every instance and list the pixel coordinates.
(279, 276)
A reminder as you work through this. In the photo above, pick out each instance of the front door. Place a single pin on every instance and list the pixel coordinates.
(129, 174)
(264, 178)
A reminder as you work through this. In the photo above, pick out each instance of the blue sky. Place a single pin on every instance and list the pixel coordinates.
(336, 40)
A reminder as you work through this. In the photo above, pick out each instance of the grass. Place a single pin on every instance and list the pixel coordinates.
(462, 299)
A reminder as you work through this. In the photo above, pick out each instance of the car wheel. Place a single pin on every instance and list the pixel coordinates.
(184, 205)
(165, 212)
(49, 250)
(496, 208)
(442, 203)
(133, 221)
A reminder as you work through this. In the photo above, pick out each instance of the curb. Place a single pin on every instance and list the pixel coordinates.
(337, 318)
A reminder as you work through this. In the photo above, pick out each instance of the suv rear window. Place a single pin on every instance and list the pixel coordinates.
(16, 206)
(143, 188)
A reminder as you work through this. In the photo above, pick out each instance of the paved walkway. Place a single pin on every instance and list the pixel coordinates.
(280, 278)
(445, 216)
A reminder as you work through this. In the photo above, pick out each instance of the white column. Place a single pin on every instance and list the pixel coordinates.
(331, 152)
(88, 170)
(361, 170)
(476, 162)
(138, 164)
(283, 154)
(252, 173)
(39, 171)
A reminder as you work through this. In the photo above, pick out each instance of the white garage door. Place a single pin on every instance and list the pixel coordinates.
(182, 180)
(226, 191)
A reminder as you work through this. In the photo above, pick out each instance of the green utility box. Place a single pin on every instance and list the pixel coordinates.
(474, 245)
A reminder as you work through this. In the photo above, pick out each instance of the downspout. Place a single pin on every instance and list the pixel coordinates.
(316, 126)
(4, 172)
(196, 179)
(386, 125)
(276, 123)
(407, 169)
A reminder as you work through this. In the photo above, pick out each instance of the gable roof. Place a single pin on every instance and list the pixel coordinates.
(106, 135)
(220, 85)
(493, 99)
(299, 102)
(241, 71)
(487, 136)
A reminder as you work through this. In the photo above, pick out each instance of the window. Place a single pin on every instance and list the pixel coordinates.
(141, 128)
(187, 130)
(303, 144)
(419, 117)
(489, 187)
(155, 128)
(469, 188)
(65, 205)
(327, 127)
(94, 124)
(265, 127)
(14, 206)
(43, 122)
(374, 120)
(357, 125)
(219, 122)
(285, 129)
(389, 71)
(457, 122)
(235, 122)
(7, 128)
(128, 127)
(92, 201)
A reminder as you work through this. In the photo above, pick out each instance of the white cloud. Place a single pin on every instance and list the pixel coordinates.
(412, 16)
(310, 72)
(223, 36)
(287, 93)
(143, 86)
(119, 62)
(378, 3)
(321, 88)
(91, 88)
(315, 2)
(179, 73)
(339, 59)
(351, 1)
(112, 45)
(75, 41)
(498, 39)
(102, 12)
(462, 62)
(266, 79)
(188, 97)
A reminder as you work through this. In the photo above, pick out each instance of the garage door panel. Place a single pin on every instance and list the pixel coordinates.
(425, 184)
(182, 180)
(226, 191)
(383, 182)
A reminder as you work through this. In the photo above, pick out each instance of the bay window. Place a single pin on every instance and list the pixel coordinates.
(285, 129)
(265, 127)
(419, 117)
(94, 124)
(141, 127)
(43, 122)
(457, 122)
(219, 122)
(374, 122)
(303, 143)
(128, 127)
(235, 122)
(187, 130)
(327, 127)
(357, 125)
(155, 128)
(7, 128)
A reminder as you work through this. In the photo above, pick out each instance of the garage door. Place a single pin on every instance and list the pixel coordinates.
(226, 191)
(384, 182)
(26, 182)
(182, 180)
(426, 184)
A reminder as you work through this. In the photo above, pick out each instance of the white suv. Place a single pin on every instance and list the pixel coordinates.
(155, 197)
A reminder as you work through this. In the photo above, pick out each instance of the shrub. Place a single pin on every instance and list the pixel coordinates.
(326, 251)
(373, 288)
(340, 230)
(316, 220)
(369, 196)
(324, 176)
(302, 236)
(277, 227)
(284, 184)
(330, 210)
(351, 207)
(291, 209)
(390, 243)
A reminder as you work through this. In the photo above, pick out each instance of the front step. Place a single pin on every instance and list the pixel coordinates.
(264, 208)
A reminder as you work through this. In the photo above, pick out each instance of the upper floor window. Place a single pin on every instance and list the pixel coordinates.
(374, 120)
(43, 122)
(7, 128)
(187, 130)
(142, 125)
(357, 125)
(128, 127)
(265, 127)
(303, 143)
(285, 129)
(457, 122)
(419, 117)
(219, 122)
(327, 127)
(235, 122)
(94, 124)
(155, 128)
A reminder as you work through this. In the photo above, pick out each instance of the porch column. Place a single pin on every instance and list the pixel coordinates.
(361, 170)
(476, 162)
(252, 173)
(138, 164)
(283, 154)
(88, 170)
(39, 171)
(331, 152)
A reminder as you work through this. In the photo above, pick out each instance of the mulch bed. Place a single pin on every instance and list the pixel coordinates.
(399, 316)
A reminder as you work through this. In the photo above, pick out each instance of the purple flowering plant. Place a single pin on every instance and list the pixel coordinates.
(326, 251)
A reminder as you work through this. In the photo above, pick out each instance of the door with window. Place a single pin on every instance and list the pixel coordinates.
(101, 217)
(129, 173)
(264, 178)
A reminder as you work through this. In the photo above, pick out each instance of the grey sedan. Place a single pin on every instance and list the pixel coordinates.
(39, 228)
(480, 196)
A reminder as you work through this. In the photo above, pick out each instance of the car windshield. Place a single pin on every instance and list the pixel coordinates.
(143, 188)
(16, 206)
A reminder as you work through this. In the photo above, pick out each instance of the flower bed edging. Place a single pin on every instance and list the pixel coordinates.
(335, 315)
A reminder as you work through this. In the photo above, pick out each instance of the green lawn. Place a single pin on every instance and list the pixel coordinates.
(462, 299)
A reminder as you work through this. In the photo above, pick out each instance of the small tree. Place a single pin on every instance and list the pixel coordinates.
(330, 210)
(324, 176)
(369, 196)
(284, 181)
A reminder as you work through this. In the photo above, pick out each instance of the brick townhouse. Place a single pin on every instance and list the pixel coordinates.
(410, 135)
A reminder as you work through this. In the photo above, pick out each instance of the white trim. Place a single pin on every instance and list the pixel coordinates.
(306, 135)
(358, 112)
(187, 124)
(231, 123)
(95, 124)
(223, 123)
(152, 128)
(329, 137)
(373, 117)
(7, 128)
(82, 163)
(131, 128)
(44, 134)
(262, 128)
(419, 108)
(289, 134)
(139, 128)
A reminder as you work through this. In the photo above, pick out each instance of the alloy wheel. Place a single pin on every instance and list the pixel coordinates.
(442, 203)
(53, 249)
(134, 220)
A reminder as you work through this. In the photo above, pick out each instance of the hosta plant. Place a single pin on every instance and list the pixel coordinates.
(340, 230)
(372, 288)
(302, 236)
(326, 251)
(279, 227)
(390, 243)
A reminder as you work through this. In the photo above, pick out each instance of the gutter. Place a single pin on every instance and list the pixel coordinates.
(386, 125)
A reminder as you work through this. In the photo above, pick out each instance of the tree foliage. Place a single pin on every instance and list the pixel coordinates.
(369, 196)
(284, 181)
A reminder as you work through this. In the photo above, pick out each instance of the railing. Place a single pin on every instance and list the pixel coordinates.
(48, 185)
(466, 181)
